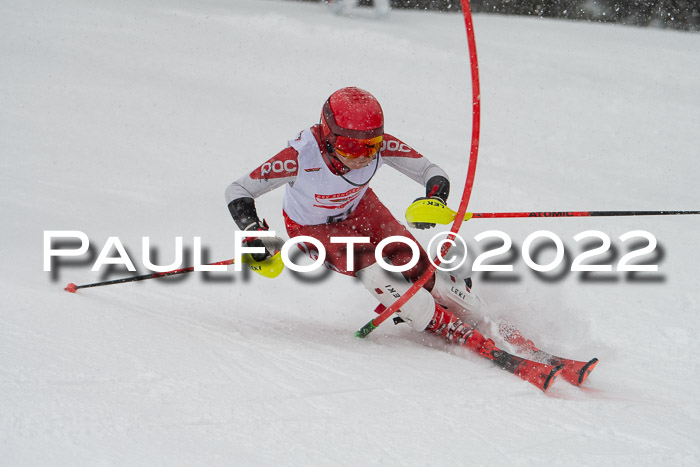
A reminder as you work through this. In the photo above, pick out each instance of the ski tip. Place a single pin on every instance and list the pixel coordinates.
(72, 288)
(586, 370)
(556, 371)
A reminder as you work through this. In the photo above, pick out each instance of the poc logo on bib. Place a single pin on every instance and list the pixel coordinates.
(278, 167)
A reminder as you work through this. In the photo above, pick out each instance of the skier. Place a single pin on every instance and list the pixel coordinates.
(327, 169)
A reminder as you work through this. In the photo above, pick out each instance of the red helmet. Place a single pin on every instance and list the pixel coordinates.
(352, 123)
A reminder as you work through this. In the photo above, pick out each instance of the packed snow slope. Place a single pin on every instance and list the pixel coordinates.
(129, 119)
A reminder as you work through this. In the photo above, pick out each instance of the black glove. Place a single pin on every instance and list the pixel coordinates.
(271, 244)
(246, 216)
(437, 188)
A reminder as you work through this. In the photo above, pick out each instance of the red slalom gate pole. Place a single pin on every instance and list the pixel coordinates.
(72, 288)
(466, 194)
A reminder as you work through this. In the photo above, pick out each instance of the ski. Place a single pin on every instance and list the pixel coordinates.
(542, 375)
(574, 371)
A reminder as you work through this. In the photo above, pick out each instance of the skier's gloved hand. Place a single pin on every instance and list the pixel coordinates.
(271, 244)
(425, 225)
(437, 189)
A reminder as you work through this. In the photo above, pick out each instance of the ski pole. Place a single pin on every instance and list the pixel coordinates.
(435, 212)
(270, 268)
(483, 215)
(72, 288)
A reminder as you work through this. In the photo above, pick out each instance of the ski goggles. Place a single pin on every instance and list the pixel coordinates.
(351, 148)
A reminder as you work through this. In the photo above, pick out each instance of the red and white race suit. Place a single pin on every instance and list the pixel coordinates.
(321, 204)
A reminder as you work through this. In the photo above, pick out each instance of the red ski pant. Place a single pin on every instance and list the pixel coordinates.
(370, 219)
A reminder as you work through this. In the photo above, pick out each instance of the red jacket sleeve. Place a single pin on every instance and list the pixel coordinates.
(279, 170)
(408, 161)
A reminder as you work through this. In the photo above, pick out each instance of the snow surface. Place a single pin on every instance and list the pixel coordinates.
(130, 118)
